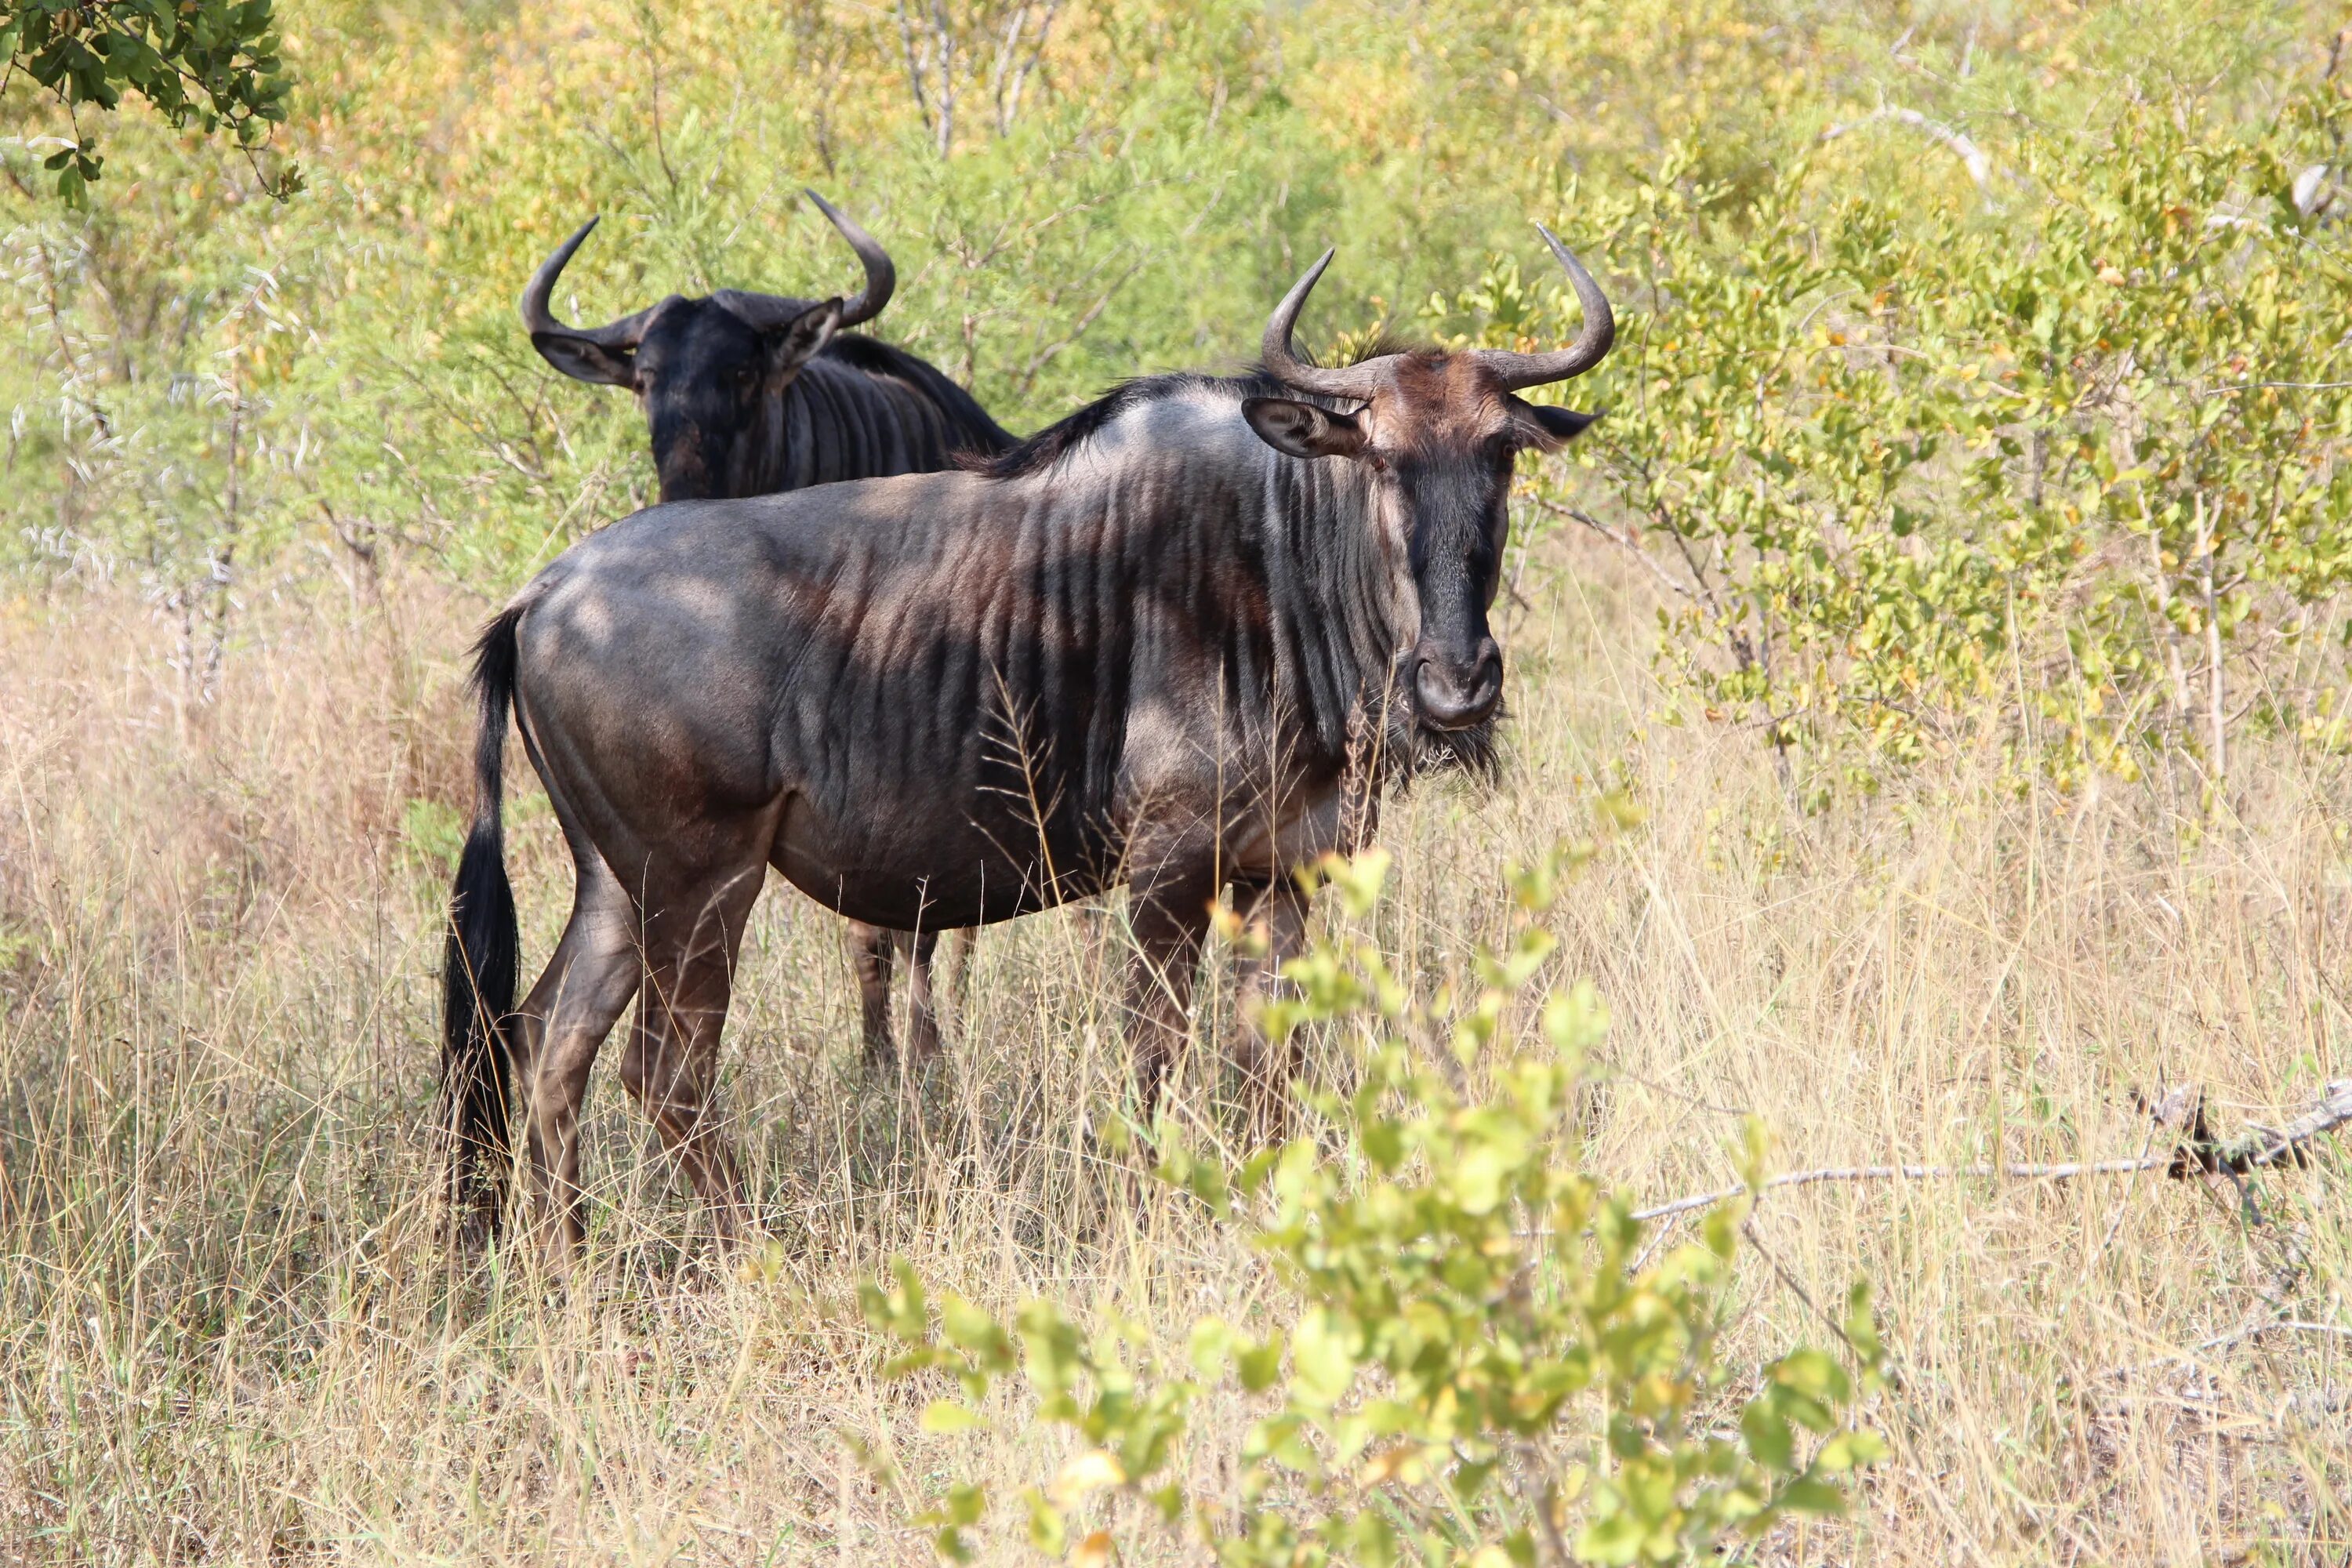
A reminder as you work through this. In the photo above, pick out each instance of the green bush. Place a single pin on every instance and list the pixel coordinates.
(1983, 395)
(203, 64)
(1472, 1356)
(2068, 472)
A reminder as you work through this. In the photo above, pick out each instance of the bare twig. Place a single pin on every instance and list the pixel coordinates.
(1979, 166)
(1008, 97)
(2237, 386)
(1047, 355)
(2260, 1148)
(1619, 538)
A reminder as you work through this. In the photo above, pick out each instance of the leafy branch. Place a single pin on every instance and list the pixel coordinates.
(1470, 1358)
(213, 64)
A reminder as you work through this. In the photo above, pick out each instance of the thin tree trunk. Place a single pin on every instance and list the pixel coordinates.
(224, 561)
(2217, 695)
(943, 28)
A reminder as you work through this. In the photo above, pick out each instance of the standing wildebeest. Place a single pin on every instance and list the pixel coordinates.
(1178, 640)
(751, 394)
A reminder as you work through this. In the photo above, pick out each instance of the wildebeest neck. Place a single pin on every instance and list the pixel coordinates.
(1334, 607)
(859, 410)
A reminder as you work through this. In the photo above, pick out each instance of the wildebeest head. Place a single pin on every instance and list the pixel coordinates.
(1438, 434)
(703, 370)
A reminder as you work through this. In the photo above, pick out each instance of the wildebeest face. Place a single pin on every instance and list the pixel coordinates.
(704, 370)
(703, 375)
(1438, 440)
(1438, 434)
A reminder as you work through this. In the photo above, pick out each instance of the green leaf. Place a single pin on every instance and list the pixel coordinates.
(1613, 1539)
(1321, 1357)
(946, 1416)
(971, 1330)
(1048, 1531)
(1208, 1347)
(1850, 1450)
(1478, 1178)
(1807, 1495)
(1258, 1365)
(1811, 1373)
(1769, 1437)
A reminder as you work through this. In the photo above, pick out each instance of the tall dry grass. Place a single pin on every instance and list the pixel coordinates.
(226, 1333)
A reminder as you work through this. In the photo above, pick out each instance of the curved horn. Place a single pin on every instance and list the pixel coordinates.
(881, 277)
(538, 318)
(1520, 371)
(1356, 381)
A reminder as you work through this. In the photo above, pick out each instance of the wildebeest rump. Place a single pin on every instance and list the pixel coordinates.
(1178, 641)
(747, 393)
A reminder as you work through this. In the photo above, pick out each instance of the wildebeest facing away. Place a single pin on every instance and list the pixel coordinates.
(1180, 639)
(748, 394)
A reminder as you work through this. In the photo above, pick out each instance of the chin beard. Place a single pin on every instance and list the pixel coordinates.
(1473, 751)
(1389, 745)
(1414, 749)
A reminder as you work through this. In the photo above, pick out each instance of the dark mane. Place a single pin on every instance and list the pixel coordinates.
(874, 357)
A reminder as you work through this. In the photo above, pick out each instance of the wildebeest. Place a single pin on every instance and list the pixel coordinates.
(748, 393)
(1179, 640)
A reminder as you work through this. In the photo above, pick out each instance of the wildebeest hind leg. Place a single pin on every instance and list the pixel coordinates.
(874, 951)
(922, 1015)
(1268, 1069)
(877, 953)
(577, 1000)
(671, 1067)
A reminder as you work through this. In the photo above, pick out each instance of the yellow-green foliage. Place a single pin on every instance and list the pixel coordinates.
(1978, 418)
(201, 64)
(1980, 383)
(1919, 471)
(1476, 1357)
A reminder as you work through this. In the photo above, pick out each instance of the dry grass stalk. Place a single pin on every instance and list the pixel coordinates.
(227, 1336)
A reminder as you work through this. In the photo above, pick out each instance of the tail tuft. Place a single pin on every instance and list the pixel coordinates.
(478, 968)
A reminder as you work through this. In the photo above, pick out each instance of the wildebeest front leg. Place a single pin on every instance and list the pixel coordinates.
(672, 1064)
(573, 1006)
(1268, 1069)
(1169, 911)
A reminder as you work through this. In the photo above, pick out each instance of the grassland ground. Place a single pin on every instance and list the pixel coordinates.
(227, 1333)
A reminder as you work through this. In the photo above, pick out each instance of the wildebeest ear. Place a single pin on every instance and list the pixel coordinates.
(585, 358)
(1303, 429)
(1554, 425)
(795, 343)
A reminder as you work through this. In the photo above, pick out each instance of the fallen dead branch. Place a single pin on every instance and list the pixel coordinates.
(2198, 1154)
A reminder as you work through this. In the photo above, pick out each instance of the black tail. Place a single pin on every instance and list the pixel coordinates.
(479, 972)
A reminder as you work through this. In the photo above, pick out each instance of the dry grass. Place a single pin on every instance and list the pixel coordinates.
(226, 1333)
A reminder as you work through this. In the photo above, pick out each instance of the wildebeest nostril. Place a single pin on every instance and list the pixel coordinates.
(1454, 696)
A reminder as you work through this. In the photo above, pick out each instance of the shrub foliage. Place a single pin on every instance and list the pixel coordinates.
(1475, 1352)
(203, 64)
